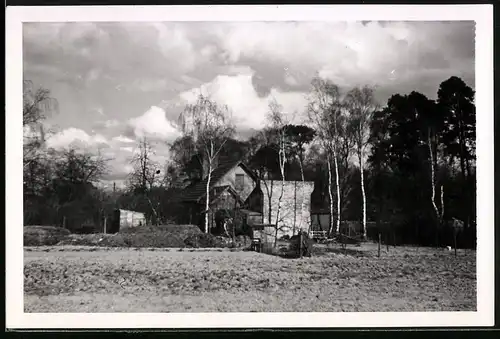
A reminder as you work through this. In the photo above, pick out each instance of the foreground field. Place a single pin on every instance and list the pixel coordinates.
(76, 279)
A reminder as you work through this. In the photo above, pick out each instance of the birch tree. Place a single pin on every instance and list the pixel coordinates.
(324, 109)
(212, 129)
(361, 104)
(431, 126)
(278, 123)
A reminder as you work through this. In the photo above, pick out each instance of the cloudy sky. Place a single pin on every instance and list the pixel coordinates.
(116, 82)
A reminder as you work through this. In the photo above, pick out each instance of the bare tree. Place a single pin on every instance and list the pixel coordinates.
(211, 130)
(79, 166)
(324, 109)
(146, 174)
(361, 104)
(75, 172)
(37, 105)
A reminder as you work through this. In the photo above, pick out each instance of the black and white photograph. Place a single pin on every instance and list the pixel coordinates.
(194, 161)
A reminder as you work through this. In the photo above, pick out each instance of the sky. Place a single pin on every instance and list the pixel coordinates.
(118, 82)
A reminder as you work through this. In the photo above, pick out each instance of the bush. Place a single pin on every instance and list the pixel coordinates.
(307, 245)
(156, 239)
(243, 241)
(86, 229)
(44, 235)
(204, 240)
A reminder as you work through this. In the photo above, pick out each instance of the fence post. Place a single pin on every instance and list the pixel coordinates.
(64, 221)
(387, 241)
(105, 220)
(379, 240)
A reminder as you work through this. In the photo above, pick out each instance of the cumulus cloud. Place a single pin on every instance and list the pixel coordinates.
(349, 52)
(248, 108)
(127, 149)
(75, 137)
(154, 123)
(110, 72)
(111, 123)
(123, 139)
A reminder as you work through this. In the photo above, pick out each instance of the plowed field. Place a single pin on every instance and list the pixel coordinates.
(87, 279)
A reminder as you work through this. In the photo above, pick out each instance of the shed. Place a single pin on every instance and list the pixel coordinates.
(264, 232)
(320, 219)
(126, 219)
(252, 217)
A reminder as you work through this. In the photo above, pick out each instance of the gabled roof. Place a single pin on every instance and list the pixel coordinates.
(216, 193)
(196, 191)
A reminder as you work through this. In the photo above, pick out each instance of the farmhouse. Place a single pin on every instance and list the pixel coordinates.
(230, 185)
(234, 185)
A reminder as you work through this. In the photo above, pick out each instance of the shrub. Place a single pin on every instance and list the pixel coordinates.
(44, 235)
(204, 240)
(307, 245)
(243, 241)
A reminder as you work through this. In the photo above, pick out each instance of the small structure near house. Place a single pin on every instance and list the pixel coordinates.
(264, 235)
(252, 217)
(123, 219)
(320, 223)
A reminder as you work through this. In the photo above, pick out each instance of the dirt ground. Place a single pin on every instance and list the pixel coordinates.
(86, 279)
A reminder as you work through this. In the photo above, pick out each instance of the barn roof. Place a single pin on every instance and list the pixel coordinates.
(198, 190)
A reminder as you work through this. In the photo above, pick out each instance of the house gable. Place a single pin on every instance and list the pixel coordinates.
(241, 179)
(223, 175)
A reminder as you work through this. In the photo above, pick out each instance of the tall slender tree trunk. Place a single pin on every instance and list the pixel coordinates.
(294, 206)
(301, 165)
(337, 228)
(330, 194)
(464, 167)
(441, 216)
(269, 194)
(433, 176)
(363, 193)
(433, 185)
(207, 192)
(278, 210)
(303, 199)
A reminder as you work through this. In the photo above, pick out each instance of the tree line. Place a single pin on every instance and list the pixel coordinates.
(408, 165)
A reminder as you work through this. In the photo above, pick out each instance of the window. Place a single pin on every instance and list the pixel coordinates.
(240, 182)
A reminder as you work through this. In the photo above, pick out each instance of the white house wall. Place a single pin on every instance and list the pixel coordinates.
(131, 219)
(296, 197)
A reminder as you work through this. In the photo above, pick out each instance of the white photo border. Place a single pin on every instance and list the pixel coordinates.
(481, 14)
